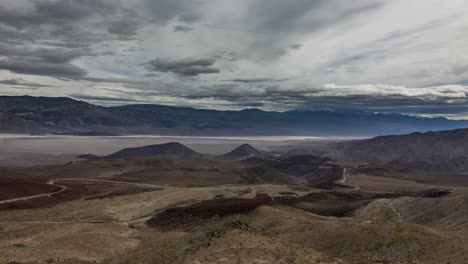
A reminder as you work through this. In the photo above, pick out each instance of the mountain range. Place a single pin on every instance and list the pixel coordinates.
(430, 151)
(61, 115)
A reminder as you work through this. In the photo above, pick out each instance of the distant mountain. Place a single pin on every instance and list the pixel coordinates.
(41, 115)
(88, 156)
(242, 152)
(173, 149)
(59, 115)
(436, 151)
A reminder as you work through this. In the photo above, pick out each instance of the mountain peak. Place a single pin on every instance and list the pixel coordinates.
(241, 152)
(171, 149)
(246, 148)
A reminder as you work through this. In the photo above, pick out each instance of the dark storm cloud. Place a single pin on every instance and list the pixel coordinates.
(38, 67)
(162, 11)
(55, 55)
(20, 18)
(126, 26)
(47, 62)
(276, 22)
(179, 28)
(62, 30)
(252, 44)
(308, 15)
(254, 93)
(296, 46)
(124, 29)
(256, 80)
(43, 12)
(73, 9)
(115, 80)
(183, 67)
(23, 83)
(12, 36)
(319, 98)
(58, 55)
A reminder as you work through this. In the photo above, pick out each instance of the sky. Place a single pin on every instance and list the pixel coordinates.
(390, 56)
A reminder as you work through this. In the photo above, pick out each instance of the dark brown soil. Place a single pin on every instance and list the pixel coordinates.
(435, 193)
(74, 191)
(10, 188)
(341, 204)
(288, 193)
(177, 217)
(327, 203)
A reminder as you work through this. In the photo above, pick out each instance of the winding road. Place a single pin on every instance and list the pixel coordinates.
(343, 180)
(51, 183)
(146, 185)
(388, 203)
(64, 188)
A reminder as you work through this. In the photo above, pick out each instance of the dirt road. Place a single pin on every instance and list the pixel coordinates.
(344, 178)
(62, 189)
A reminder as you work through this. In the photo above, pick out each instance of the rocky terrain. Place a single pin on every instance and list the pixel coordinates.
(443, 151)
(172, 208)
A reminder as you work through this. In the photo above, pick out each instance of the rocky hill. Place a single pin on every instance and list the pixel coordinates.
(440, 151)
(173, 149)
(242, 152)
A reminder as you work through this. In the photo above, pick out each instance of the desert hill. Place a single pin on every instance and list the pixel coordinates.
(439, 151)
(244, 151)
(172, 149)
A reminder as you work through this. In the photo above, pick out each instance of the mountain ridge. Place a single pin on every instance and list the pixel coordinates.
(63, 115)
(433, 151)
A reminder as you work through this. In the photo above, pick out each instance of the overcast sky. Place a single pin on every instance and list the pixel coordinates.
(405, 56)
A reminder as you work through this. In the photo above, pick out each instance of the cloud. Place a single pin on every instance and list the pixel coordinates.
(52, 12)
(277, 22)
(49, 34)
(101, 98)
(433, 101)
(22, 83)
(41, 61)
(162, 11)
(183, 67)
(365, 54)
(179, 28)
(37, 67)
(255, 80)
(126, 26)
(296, 46)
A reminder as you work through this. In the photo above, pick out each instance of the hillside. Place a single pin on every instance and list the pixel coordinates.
(172, 149)
(60, 115)
(439, 151)
(240, 153)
